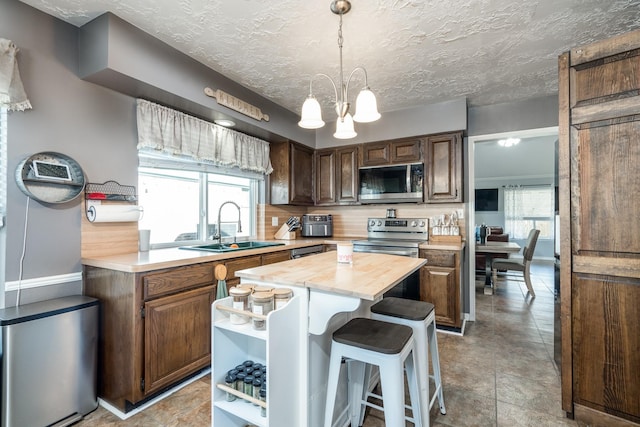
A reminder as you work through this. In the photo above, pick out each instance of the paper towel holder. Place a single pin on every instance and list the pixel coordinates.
(95, 193)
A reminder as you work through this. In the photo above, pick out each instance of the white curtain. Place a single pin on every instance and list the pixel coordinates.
(178, 134)
(12, 95)
(513, 203)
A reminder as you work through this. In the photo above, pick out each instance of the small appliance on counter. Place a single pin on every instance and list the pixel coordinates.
(317, 225)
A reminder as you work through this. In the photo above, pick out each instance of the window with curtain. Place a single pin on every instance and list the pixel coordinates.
(188, 169)
(528, 207)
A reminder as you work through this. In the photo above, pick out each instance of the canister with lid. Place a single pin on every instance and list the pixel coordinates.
(240, 302)
(262, 303)
(281, 297)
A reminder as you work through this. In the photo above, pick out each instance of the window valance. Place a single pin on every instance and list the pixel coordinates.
(12, 95)
(178, 134)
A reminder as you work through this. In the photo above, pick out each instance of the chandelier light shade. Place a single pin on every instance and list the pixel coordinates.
(366, 104)
(344, 128)
(311, 117)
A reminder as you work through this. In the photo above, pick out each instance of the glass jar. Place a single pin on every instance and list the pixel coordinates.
(281, 297)
(240, 302)
(240, 381)
(251, 287)
(263, 397)
(262, 303)
(230, 381)
(248, 386)
(257, 385)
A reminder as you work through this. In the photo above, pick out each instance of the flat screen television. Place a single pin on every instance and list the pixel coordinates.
(486, 199)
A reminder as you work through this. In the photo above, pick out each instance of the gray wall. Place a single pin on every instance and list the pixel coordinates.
(93, 125)
(532, 113)
(424, 120)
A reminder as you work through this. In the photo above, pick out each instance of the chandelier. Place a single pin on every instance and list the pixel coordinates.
(366, 105)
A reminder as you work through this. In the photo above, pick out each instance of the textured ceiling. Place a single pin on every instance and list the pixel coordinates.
(415, 52)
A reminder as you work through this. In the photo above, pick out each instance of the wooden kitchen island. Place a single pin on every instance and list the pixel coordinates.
(296, 343)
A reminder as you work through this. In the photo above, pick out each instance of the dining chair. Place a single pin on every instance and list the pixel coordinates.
(522, 266)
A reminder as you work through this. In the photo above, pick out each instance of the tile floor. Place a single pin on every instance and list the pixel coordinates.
(501, 373)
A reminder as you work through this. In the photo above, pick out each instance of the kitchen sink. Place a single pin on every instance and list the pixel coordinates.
(230, 247)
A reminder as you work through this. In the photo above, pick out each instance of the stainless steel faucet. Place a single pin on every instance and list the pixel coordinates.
(218, 234)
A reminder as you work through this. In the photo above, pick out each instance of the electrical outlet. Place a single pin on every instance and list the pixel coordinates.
(274, 221)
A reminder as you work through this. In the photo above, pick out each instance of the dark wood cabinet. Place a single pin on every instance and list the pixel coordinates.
(337, 176)
(440, 284)
(240, 264)
(381, 153)
(375, 154)
(155, 328)
(273, 257)
(325, 177)
(177, 337)
(347, 175)
(291, 182)
(443, 168)
(599, 123)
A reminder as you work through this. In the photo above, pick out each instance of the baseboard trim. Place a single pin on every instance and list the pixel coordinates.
(594, 418)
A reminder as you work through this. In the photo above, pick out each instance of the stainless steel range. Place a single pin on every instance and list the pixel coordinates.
(397, 236)
(394, 236)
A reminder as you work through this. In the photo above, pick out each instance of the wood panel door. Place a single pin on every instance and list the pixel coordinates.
(325, 177)
(177, 337)
(600, 232)
(347, 175)
(443, 168)
(439, 286)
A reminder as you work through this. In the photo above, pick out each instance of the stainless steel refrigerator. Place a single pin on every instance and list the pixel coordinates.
(48, 362)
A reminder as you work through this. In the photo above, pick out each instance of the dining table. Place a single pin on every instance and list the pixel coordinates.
(490, 249)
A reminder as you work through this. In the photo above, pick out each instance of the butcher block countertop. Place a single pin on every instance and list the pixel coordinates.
(367, 278)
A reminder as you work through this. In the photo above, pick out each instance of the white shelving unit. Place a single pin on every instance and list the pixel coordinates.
(281, 347)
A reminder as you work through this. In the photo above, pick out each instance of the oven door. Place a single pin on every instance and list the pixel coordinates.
(409, 287)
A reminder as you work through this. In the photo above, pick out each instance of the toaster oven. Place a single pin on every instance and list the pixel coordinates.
(317, 225)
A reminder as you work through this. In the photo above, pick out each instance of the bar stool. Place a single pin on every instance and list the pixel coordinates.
(390, 346)
(420, 316)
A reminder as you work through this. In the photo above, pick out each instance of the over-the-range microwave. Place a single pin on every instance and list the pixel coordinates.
(391, 184)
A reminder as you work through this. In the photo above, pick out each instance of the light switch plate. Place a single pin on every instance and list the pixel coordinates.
(274, 221)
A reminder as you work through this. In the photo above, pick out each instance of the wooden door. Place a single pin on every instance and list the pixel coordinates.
(375, 154)
(325, 177)
(406, 151)
(600, 231)
(443, 168)
(347, 175)
(177, 337)
(438, 285)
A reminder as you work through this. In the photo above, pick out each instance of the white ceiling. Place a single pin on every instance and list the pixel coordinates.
(416, 52)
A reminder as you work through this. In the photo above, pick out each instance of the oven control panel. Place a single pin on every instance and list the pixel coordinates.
(411, 225)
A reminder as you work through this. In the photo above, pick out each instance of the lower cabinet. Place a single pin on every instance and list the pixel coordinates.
(154, 329)
(441, 285)
(176, 336)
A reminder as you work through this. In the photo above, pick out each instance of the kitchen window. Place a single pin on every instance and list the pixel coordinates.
(181, 204)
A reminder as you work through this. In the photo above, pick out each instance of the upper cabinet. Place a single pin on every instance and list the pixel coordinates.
(337, 176)
(443, 168)
(391, 152)
(291, 181)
